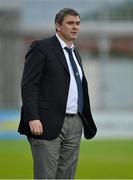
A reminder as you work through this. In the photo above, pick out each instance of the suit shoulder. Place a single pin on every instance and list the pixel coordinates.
(40, 44)
(45, 42)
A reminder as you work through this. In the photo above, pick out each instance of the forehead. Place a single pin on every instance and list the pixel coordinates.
(71, 18)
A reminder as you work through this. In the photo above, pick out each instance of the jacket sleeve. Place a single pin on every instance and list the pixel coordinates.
(33, 68)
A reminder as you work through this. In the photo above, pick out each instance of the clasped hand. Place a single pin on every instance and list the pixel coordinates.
(36, 127)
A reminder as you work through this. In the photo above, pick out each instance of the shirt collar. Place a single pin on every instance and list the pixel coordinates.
(63, 44)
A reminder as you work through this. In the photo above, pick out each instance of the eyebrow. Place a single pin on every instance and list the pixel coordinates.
(73, 22)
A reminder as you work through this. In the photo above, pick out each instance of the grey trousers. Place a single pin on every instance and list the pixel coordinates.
(57, 159)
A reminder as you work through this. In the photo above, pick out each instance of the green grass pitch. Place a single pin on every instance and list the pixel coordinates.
(99, 159)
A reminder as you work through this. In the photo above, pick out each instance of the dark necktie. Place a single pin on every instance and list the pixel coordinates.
(77, 78)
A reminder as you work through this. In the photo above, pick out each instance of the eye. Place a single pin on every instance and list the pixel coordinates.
(70, 22)
(78, 23)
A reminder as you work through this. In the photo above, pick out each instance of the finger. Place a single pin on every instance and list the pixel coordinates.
(31, 129)
(37, 129)
(41, 128)
(31, 125)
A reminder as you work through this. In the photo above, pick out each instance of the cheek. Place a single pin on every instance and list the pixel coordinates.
(65, 31)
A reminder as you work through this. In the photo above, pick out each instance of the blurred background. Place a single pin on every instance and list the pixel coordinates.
(105, 43)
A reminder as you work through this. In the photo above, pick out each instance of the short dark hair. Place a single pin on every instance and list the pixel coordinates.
(64, 12)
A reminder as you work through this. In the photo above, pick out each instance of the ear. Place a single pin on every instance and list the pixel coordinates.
(57, 26)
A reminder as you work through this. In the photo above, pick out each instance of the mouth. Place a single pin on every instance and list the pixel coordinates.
(73, 33)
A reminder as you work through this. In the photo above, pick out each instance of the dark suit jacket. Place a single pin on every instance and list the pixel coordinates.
(45, 85)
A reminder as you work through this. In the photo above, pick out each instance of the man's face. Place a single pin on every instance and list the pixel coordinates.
(69, 28)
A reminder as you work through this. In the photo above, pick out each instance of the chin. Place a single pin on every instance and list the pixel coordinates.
(74, 37)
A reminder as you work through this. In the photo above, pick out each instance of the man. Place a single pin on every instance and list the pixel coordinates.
(55, 101)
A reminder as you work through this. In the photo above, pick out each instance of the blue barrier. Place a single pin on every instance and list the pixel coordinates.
(9, 120)
(9, 114)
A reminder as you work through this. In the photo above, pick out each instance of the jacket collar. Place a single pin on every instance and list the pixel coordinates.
(59, 52)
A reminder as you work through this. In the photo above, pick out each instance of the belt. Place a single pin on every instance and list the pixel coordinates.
(69, 115)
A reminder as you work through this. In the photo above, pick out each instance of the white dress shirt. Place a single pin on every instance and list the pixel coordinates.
(72, 100)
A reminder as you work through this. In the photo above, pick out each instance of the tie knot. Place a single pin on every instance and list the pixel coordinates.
(69, 50)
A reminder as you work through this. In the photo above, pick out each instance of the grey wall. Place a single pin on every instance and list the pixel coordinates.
(11, 55)
(110, 83)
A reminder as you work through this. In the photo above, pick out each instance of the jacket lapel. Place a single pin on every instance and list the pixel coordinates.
(59, 52)
(79, 59)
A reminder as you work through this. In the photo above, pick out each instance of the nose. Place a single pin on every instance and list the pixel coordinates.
(75, 26)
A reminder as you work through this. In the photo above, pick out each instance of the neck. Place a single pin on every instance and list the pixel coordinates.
(68, 42)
